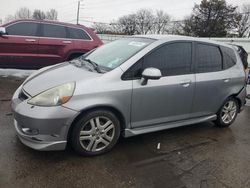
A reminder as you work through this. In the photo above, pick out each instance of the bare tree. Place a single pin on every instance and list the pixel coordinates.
(100, 28)
(141, 22)
(176, 28)
(128, 24)
(144, 21)
(9, 18)
(115, 28)
(51, 14)
(38, 15)
(161, 22)
(244, 23)
(23, 13)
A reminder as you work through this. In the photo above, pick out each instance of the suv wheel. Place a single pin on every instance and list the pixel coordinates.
(95, 133)
(227, 113)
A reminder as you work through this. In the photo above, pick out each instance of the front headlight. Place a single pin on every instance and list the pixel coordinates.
(55, 96)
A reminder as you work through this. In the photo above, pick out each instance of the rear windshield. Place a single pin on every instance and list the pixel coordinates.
(113, 54)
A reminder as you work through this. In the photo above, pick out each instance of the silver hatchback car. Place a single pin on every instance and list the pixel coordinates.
(128, 87)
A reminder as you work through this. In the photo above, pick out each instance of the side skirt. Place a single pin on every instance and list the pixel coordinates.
(164, 126)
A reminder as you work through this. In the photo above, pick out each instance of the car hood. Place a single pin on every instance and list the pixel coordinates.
(53, 76)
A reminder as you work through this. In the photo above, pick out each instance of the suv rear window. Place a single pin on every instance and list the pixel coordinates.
(22, 29)
(78, 34)
(54, 31)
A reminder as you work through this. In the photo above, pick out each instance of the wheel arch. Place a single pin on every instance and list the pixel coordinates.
(114, 110)
(238, 95)
(231, 96)
(238, 100)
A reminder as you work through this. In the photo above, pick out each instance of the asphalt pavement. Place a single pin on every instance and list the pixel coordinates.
(199, 155)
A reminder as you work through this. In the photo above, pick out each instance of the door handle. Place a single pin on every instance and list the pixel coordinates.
(66, 42)
(30, 40)
(186, 83)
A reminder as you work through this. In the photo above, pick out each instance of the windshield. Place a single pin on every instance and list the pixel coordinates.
(111, 55)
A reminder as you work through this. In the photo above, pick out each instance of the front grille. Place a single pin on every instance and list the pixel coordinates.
(22, 95)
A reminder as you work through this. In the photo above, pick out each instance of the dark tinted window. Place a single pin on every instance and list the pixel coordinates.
(229, 58)
(78, 34)
(208, 58)
(243, 55)
(23, 29)
(54, 31)
(134, 72)
(171, 59)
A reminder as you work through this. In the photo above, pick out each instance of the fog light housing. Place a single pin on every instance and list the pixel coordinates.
(29, 131)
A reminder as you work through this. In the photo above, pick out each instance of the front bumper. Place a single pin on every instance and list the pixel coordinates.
(49, 125)
(42, 145)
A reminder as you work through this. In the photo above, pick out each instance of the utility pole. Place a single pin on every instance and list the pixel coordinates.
(78, 9)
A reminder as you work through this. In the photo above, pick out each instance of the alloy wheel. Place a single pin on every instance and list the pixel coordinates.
(229, 112)
(97, 133)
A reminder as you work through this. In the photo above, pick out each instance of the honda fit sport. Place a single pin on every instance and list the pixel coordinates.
(131, 86)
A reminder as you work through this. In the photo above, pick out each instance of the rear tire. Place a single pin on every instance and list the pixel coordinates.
(227, 113)
(95, 133)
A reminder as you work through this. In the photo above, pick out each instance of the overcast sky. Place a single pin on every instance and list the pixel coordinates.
(103, 10)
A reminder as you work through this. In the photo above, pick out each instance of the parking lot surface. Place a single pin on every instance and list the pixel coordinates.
(199, 155)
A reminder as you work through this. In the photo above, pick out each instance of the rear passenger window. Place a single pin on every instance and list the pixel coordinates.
(208, 58)
(78, 34)
(54, 31)
(22, 29)
(171, 59)
(229, 58)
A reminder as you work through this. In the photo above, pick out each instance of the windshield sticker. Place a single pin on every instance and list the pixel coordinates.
(137, 44)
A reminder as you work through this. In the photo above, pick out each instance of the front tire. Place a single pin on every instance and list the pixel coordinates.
(227, 113)
(95, 133)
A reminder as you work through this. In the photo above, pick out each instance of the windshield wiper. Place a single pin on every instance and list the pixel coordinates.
(95, 65)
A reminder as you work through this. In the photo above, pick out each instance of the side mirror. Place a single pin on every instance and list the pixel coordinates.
(2, 31)
(150, 74)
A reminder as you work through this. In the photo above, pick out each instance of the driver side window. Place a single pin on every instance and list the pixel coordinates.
(172, 59)
(134, 72)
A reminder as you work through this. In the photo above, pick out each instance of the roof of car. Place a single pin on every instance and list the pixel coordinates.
(180, 37)
(47, 21)
(159, 37)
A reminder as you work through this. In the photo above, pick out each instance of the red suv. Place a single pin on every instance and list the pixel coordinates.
(31, 44)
